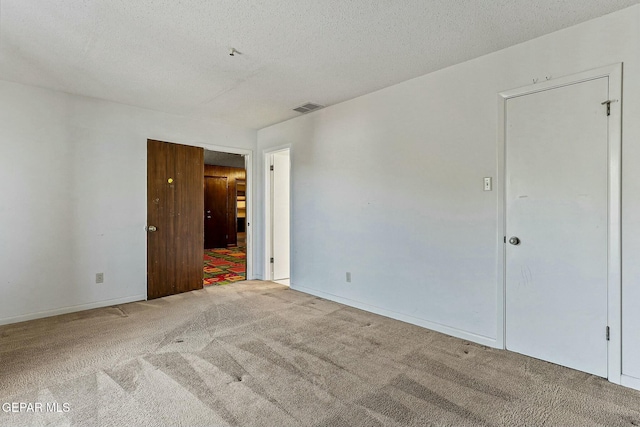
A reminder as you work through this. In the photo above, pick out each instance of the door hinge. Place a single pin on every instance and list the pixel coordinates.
(608, 334)
(271, 260)
(505, 239)
(271, 168)
(608, 104)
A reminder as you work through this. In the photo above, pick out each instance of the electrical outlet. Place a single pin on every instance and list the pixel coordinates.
(99, 277)
(348, 277)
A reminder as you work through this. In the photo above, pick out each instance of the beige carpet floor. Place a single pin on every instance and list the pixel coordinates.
(259, 354)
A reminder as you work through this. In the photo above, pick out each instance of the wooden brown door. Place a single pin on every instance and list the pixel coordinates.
(216, 212)
(175, 175)
(234, 176)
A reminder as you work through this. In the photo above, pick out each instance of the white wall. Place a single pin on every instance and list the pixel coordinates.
(388, 186)
(73, 173)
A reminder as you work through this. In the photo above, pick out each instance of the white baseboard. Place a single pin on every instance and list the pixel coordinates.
(458, 333)
(630, 382)
(70, 309)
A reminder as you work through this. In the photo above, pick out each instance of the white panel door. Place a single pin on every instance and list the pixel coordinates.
(556, 205)
(280, 215)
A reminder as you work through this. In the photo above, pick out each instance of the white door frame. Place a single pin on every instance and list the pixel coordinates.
(614, 284)
(248, 165)
(268, 196)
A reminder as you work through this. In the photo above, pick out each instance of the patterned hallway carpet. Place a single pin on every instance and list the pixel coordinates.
(224, 266)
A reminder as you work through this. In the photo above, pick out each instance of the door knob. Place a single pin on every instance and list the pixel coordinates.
(514, 240)
(151, 228)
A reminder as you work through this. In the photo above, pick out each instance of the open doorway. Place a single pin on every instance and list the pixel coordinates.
(225, 218)
(278, 213)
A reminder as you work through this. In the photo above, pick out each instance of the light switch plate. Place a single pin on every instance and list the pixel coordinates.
(487, 183)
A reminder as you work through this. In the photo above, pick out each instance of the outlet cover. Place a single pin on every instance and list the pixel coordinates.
(99, 277)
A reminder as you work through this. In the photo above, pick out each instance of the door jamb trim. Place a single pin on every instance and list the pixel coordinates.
(614, 261)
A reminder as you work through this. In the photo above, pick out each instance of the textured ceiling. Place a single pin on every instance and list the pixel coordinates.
(173, 56)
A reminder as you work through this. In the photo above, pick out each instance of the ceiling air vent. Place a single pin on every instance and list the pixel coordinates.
(308, 107)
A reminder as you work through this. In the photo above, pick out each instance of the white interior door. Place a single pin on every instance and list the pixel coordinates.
(280, 215)
(556, 205)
